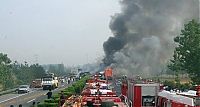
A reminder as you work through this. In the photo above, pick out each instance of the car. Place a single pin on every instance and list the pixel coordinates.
(23, 89)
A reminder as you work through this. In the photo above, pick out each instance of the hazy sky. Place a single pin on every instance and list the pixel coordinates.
(55, 31)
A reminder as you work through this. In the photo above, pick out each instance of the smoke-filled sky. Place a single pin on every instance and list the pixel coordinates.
(55, 31)
(143, 34)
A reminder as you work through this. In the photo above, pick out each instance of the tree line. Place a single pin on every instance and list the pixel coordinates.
(13, 74)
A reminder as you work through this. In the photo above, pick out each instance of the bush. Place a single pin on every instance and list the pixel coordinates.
(185, 87)
(55, 96)
(57, 100)
(41, 105)
(70, 89)
(47, 105)
(49, 100)
(67, 93)
(170, 85)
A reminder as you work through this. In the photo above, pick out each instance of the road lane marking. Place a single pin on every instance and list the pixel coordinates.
(15, 97)
(30, 100)
(37, 95)
(11, 98)
(13, 101)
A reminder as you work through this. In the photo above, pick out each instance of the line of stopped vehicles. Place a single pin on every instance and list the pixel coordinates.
(49, 81)
(135, 92)
(98, 92)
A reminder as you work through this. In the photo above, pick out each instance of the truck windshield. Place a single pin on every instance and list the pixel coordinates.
(47, 79)
(23, 86)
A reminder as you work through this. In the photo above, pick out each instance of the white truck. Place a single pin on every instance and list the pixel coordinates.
(49, 82)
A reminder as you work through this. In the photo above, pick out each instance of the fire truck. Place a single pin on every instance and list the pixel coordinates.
(108, 73)
(134, 93)
(140, 94)
(149, 94)
(190, 98)
(98, 94)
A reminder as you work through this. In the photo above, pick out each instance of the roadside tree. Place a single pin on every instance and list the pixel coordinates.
(187, 53)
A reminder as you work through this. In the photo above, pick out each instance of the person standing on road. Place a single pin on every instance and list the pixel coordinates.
(33, 105)
(49, 94)
(68, 81)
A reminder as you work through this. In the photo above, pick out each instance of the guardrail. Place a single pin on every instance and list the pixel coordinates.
(8, 91)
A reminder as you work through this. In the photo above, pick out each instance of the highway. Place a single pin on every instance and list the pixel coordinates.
(35, 95)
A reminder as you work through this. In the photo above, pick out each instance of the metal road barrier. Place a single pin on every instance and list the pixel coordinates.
(8, 91)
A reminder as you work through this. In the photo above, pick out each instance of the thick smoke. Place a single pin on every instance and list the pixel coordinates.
(143, 34)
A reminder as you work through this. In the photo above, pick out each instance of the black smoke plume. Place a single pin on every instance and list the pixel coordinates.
(143, 33)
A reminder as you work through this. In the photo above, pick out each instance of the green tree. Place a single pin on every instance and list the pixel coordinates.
(25, 73)
(6, 77)
(187, 53)
(175, 67)
(37, 70)
(14, 74)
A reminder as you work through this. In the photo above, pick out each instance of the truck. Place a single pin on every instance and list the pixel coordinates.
(108, 73)
(49, 81)
(37, 83)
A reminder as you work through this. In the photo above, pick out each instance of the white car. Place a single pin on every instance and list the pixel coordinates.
(23, 89)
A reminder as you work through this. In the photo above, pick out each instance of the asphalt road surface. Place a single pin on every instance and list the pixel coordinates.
(36, 95)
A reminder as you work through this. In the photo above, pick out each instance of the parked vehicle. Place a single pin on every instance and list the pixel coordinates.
(108, 73)
(37, 83)
(23, 89)
(49, 82)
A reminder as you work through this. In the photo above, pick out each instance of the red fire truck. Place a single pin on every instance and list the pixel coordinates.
(153, 95)
(98, 94)
(190, 98)
(142, 95)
